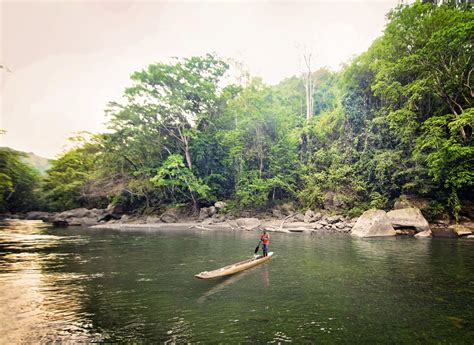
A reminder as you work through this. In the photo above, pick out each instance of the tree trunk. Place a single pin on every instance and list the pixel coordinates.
(309, 88)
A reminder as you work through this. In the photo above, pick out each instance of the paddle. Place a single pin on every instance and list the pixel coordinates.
(258, 246)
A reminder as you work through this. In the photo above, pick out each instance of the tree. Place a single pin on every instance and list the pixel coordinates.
(18, 183)
(179, 182)
(170, 100)
(64, 186)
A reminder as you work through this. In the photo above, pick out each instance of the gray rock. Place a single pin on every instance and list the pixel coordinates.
(317, 216)
(426, 233)
(406, 232)
(75, 213)
(37, 215)
(308, 216)
(86, 221)
(334, 219)
(211, 210)
(248, 223)
(299, 217)
(220, 205)
(408, 217)
(169, 216)
(203, 213)
(277, 213)
(460, 230)
(218, 218)
(152, 220)
(373, 223)
(318, 226)
(297, 225)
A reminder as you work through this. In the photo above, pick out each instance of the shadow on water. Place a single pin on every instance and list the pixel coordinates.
(221, 284)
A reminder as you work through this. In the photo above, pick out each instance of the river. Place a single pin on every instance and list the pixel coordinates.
(89, 285)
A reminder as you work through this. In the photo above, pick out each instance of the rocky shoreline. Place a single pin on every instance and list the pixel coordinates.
(403, 221)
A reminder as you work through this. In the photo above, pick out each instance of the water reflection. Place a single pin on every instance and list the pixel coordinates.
(265, 277)
(84, 285)
(36, 306)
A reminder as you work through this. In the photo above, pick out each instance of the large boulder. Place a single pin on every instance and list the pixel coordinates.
(75, 213)
(410, 217)
(38, 215)
(248, 223)
(97, 213)
(373, 223)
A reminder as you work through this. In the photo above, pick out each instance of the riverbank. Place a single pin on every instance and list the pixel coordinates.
(406, 221)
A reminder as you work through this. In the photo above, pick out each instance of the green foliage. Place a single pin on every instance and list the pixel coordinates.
(65, 182)
(179, 182)
(18, 183)
(434, 209)
(397, 119)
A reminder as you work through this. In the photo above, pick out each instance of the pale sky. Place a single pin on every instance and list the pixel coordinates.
(67, 59)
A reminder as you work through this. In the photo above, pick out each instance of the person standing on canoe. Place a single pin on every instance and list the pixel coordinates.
(265, 239)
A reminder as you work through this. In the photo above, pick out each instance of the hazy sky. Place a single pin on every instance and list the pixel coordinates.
(67, 59)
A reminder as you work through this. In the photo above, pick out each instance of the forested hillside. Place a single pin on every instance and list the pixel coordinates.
(396, 120)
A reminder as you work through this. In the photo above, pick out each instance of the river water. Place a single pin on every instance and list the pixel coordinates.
(83, 285)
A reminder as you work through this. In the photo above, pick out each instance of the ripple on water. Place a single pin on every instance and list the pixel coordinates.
(76, 285)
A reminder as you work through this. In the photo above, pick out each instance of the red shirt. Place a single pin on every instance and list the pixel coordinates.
(265, 238)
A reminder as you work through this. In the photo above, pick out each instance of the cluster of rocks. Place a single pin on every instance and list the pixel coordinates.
(213, 214)
(75, 217)
(309, 222)
(405, 221)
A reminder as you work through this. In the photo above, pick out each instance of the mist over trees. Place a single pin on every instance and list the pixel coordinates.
(396, 120)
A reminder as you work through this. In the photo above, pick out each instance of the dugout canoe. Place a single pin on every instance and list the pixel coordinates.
(238, 267)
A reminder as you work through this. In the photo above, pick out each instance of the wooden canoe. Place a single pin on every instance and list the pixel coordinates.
(238, 267)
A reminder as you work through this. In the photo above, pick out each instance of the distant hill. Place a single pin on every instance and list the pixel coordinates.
(39, 163)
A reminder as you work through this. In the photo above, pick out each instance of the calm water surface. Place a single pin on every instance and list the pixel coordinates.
(80, 284)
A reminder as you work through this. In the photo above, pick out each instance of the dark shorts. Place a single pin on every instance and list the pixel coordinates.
(265, 248)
